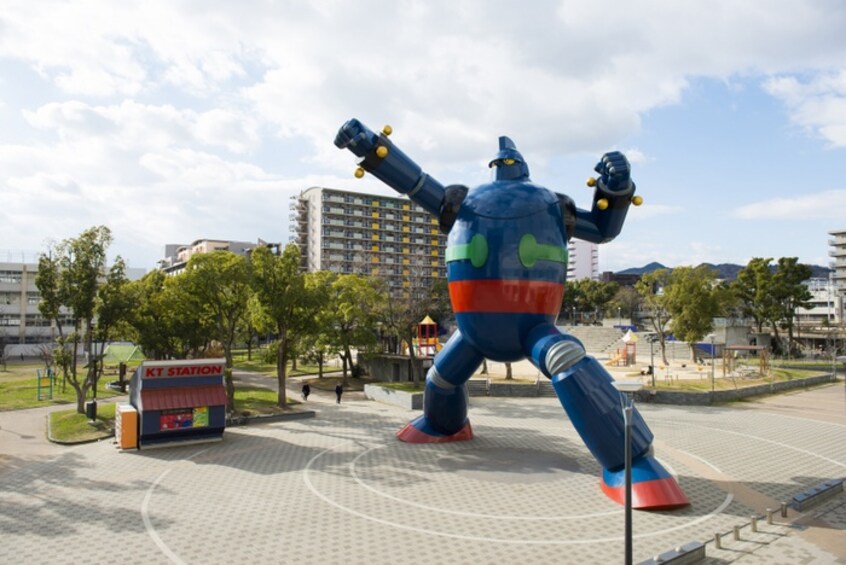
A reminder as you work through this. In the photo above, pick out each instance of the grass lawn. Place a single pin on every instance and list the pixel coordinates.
(19, 389)
(258, 365)
(69, 427)
(328, 383)
(703, 384)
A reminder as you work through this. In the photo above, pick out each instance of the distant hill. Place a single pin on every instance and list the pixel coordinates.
(725, 271)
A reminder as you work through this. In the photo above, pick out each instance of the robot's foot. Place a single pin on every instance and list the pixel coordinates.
(420, 431)
(653, 488)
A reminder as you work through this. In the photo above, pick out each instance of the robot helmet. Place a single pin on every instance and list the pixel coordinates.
(509, 163)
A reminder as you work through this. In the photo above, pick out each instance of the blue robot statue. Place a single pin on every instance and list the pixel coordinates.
(506, 265)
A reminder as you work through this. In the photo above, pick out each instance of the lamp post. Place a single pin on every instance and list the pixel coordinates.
(712, 361)
(652, 359)
(574, 315)
(620, 315)
(627, 390)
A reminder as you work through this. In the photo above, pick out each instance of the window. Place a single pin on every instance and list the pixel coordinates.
(10, 277)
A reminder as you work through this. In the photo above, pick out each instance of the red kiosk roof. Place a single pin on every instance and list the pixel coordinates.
(183, 397)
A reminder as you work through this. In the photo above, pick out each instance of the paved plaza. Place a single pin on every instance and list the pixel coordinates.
(339, 488)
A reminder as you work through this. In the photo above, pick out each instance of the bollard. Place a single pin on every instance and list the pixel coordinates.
(754, 524)
(784, 510)
(718, 541)
(770, 516)
(737, 533)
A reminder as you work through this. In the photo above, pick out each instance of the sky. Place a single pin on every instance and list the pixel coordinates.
(172, 121)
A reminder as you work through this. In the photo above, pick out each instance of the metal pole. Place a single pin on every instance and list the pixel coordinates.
(628, 440)
(712, 363)
(652, 360)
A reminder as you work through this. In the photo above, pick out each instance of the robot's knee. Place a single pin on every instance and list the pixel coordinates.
(562, 355)
(435, 378)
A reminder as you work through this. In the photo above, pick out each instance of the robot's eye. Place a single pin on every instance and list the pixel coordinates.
(508, 161)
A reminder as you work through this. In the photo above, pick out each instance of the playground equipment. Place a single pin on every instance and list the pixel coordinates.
(732, 352)
(427, 338)
(625, 356)
(506, 265)
(45, 382)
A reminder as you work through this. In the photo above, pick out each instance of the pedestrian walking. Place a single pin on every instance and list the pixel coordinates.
(339, 390)
(306, 391)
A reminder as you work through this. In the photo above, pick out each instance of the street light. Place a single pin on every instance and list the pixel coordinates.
(652, 358)
(712, 361)
(627, 390)
(620, 315)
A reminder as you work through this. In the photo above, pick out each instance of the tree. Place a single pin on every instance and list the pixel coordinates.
(70, 280)
(789, 293)
(770, 296)
(693, 299)
(114, 305)
(349, 313)
(404, 308)
(587, 296)
(218, 285)
(281, 291)
(752, 287)
(651, 288)
(165, 322)
(628, 301)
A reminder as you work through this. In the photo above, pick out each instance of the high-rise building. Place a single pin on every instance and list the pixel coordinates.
(352, 232)
(838, 252)
(392, 237)
(583, 260)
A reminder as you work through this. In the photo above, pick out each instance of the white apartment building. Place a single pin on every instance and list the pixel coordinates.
(838, 253)
(583, 260)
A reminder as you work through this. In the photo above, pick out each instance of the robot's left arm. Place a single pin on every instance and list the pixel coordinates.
(613, 194)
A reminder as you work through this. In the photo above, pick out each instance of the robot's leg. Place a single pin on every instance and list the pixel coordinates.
(445, 397)
(593, 404)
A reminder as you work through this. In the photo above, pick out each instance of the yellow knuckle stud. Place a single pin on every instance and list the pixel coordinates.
(591, 182)
(602, 203)
(387, 130)
(637, 200)
(381, 151)
(359, 172)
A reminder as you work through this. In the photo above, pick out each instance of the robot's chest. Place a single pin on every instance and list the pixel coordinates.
(527, 247)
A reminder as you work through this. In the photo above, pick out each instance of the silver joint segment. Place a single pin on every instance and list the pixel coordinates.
(435, 377)
(563, 355)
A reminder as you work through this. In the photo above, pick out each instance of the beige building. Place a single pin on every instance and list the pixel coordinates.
(351, 232)
(177, 255)
(20, 320)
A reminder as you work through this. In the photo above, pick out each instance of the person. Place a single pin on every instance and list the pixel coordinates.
(306, 391)
(339, 390)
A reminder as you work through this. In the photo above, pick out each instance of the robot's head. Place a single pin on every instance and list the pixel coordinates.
(508, 162)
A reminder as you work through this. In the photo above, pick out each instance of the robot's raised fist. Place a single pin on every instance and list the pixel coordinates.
(356, 137)
(615, 171)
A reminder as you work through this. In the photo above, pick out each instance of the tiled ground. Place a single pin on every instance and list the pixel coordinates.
(340, 489)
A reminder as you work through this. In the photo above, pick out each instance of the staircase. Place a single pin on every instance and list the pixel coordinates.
(596, 339)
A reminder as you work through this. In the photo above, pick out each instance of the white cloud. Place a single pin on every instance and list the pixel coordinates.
(173, 112)
(818, 104)
(828, 205)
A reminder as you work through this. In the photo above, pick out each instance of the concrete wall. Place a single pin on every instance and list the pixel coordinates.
(394, 368)
(719, 396)
(401, 398)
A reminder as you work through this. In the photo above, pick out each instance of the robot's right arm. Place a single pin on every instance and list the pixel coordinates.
(380, 157)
